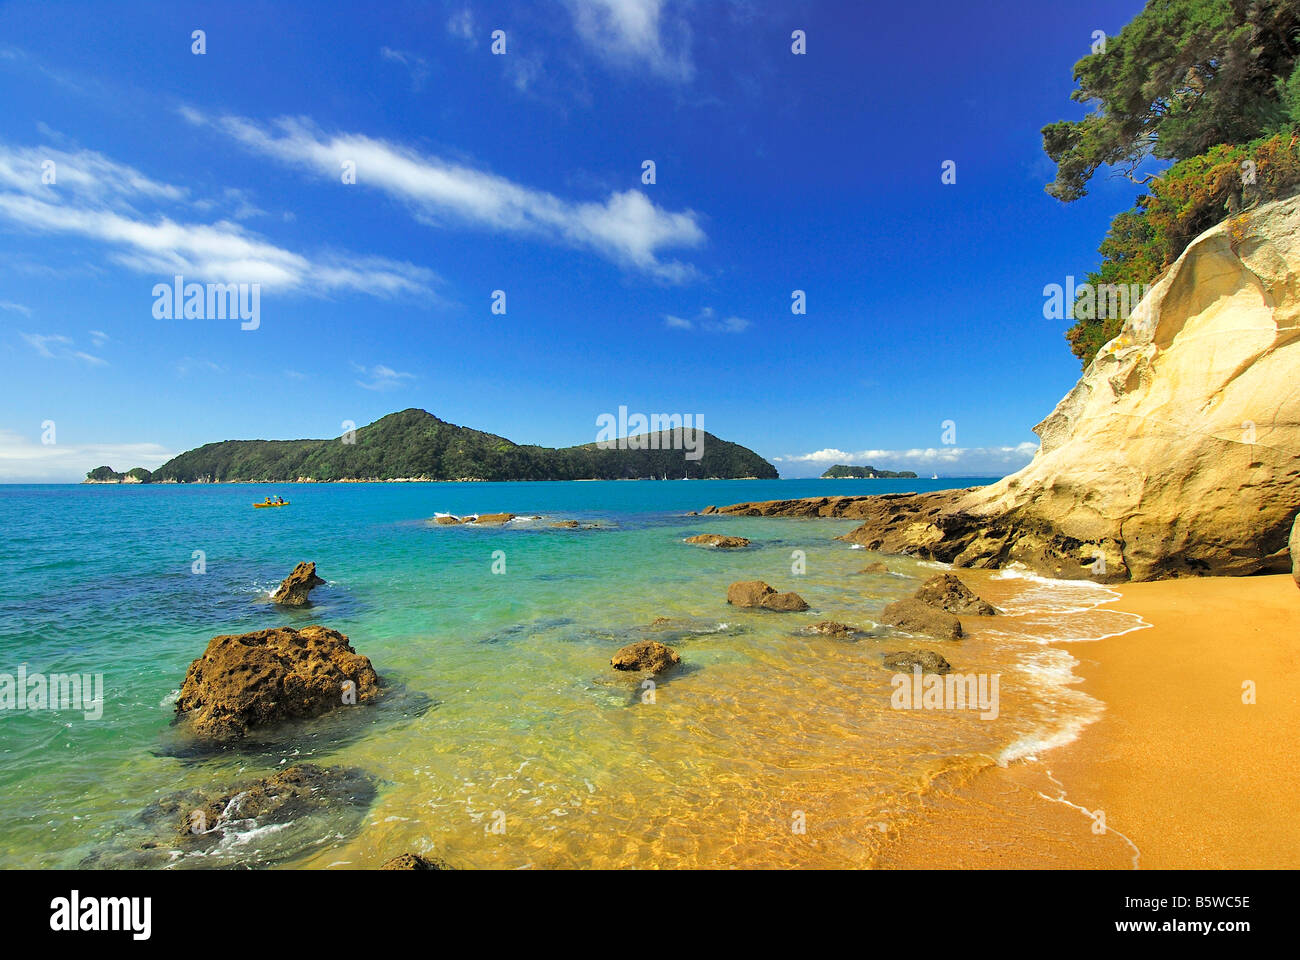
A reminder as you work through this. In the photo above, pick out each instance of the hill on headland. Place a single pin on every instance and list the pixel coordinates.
(414, 444)
(842, 472)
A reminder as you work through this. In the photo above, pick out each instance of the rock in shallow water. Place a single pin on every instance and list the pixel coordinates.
(946, 592)
(915, 616)
(832, 628)
(645, 655)
(756, 593)
(414, 861)
(927, 660)
(257, 823)
(718, 540)
(294, 590)
(257, 679)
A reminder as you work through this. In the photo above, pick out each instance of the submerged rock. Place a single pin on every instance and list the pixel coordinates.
(946, 592)
(927, 660)
(254, 823)
(566, 524)
(718, 540)
(756, 593)
(645, 655)
(257, 679)
(832, 628)
(293, 591)
(876, 567)
(414, 861)
(914, 616)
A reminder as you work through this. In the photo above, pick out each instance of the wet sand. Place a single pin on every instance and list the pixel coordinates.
(1178, 772)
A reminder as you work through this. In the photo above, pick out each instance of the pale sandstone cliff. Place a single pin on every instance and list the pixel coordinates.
(1178, 451)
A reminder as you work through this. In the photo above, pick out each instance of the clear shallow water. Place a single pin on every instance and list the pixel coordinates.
(508, 710)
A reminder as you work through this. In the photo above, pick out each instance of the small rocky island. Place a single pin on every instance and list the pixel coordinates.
(843, 472)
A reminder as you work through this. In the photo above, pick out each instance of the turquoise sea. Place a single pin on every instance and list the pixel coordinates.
(507, 741)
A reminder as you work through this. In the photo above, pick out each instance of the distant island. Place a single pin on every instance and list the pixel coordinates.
(416, 445)
(843, 472)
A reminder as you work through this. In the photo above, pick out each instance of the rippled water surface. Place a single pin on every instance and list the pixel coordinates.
(509, 741)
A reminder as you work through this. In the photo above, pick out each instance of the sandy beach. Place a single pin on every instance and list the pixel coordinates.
(1178, 772)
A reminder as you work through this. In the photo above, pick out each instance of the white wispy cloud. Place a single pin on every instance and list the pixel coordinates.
(636, 34)
(381, 377)
(416, 66)
(26, 460)
(95, 198)
(708, 321)
(626, 227)
(461, 24)
(55, 346)
(953, 460)
(16, 307)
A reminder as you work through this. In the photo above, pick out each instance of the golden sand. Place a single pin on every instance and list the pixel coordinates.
(1179, 772)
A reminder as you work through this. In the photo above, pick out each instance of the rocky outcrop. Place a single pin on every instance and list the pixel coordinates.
(295, 588)
(447, 520)
(927, 660)
(491, 519)
(257, 679)
(414, 861)
(756, 593)
(915, 616)
(946, 592)
(645, 655)
(718, 540)
(1176, 453)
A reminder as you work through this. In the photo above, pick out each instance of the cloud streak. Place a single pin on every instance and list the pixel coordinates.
(954, 461)
(23, 460)
(625, 228)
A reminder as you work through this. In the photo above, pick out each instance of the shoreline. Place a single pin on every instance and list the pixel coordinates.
(1176, 773)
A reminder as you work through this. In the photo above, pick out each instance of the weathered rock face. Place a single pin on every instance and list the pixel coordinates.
(1177, 453)
(645, 655)
(905, 660)
(914, 616)
(1295, 550)
(294, 590)
(414, 861)
(718, 540)
(255, 679)
(756, 593)
(946, 592)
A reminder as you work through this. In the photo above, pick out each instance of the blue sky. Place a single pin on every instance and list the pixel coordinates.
(522, 172)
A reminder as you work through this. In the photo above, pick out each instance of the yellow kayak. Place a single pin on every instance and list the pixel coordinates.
(258, 506)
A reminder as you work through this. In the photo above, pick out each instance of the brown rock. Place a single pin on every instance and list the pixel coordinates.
(414, 861)
(946, 592)
(293, 591)
(876, 567)
(915, 616)
(494, 518)
(446, 521)
(254, 679)
(789, 602)
(832, 628)
(719, 541)
(756, 593)
(927, 660)
(748, 593)
(566, 524)
(645, 655)
(709, 509)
